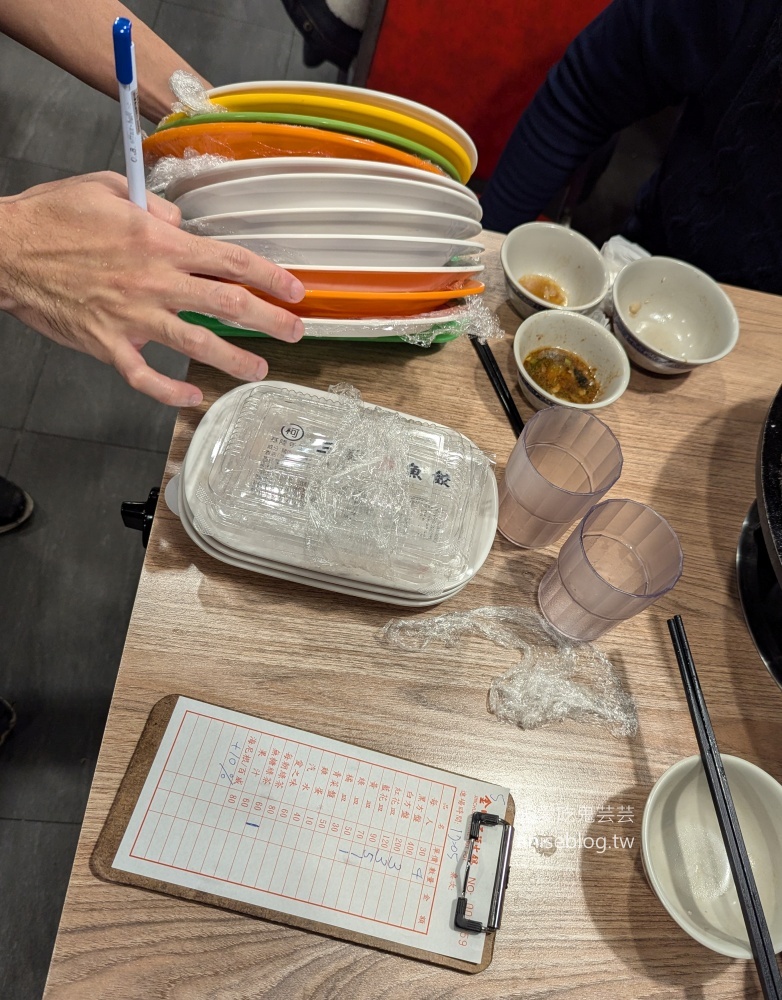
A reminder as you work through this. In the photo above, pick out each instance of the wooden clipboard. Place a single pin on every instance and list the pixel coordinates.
(119, 817)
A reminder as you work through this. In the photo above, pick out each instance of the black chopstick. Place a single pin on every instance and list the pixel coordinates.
(754, 918)
(497, 379)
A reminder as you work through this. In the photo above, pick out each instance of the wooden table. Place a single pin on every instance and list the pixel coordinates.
(581, 922)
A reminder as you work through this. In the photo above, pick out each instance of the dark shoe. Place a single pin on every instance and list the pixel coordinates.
(15, 506)
(326, 36)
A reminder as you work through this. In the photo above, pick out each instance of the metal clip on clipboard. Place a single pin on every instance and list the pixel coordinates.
(501, 875)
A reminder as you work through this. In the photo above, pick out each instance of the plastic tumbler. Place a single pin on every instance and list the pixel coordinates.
(621, 558)
(563, 463)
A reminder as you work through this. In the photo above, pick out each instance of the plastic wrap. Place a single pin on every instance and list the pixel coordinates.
(191, 97)
(357, 501)
(473, 319)
(173, 168)
(325, 482)
(554, 680)
(394, 495)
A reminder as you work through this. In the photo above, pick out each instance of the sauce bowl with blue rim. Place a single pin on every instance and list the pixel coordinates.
(672, 317)
(565, 268)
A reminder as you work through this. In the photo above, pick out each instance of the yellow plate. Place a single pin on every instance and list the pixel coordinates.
(372, 98)
(357, 113)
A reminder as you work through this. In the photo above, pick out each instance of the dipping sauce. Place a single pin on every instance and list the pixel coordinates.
(544, 287)
(563, 374)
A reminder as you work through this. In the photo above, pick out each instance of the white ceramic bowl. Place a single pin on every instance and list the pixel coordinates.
(672, 317)
(556, 252)
(685, 861)
(582, 336)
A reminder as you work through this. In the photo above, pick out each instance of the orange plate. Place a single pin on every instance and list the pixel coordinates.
(343, 304)
(356, 280)
(250, 140)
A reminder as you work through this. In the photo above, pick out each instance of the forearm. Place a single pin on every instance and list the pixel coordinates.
(76, 35)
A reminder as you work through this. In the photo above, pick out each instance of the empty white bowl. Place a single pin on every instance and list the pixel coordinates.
(582, 336)
(672, 317)
(684, 857)
(552, 251)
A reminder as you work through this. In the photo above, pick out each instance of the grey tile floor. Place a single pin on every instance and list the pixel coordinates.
(80, 441)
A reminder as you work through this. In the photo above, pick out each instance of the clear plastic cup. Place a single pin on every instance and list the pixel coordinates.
(563, 463)
(621, 558)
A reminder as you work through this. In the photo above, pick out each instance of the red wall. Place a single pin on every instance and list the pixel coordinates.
(478, 63)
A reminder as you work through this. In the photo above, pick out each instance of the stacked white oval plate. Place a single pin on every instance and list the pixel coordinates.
(245, 496)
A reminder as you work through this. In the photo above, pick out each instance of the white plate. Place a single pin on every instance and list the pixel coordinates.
(198, 460)
(362, 221)
(375, 98)
(307, 580)
(324, 190)
(348, 250)
(367, 329)
(482, 541)
(233, 170)
(328, 580)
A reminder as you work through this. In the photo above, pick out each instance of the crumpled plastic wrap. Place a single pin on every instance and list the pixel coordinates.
(471, 319)
(474, 319)
(357, 501)
(173, 168)
(555, 679)
(191, 96)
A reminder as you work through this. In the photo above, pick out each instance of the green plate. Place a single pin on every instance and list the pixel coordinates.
(329, 124)
(446, 331)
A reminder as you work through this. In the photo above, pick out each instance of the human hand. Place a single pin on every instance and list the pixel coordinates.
(84, 266)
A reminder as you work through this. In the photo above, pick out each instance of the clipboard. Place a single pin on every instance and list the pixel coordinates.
(123, 811)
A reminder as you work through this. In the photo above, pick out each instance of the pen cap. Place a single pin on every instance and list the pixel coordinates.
(123, 52)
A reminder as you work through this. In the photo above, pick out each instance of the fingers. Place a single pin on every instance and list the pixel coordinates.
(163, 210)
(235, 263)
(234, 305)
(202, 345)
(138, 374)
(157, 207)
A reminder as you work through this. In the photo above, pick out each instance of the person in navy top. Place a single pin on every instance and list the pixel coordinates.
(716, 199)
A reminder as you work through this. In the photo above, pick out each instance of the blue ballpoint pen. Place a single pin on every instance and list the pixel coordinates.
(125, 65)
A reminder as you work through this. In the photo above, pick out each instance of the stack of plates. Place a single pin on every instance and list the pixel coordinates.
(285, 118)
(244, 497)
(360, 194)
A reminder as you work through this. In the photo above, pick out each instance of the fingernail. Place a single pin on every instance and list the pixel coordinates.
(298, 330)
(262, 370)
(295, 290)
(195, 399)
